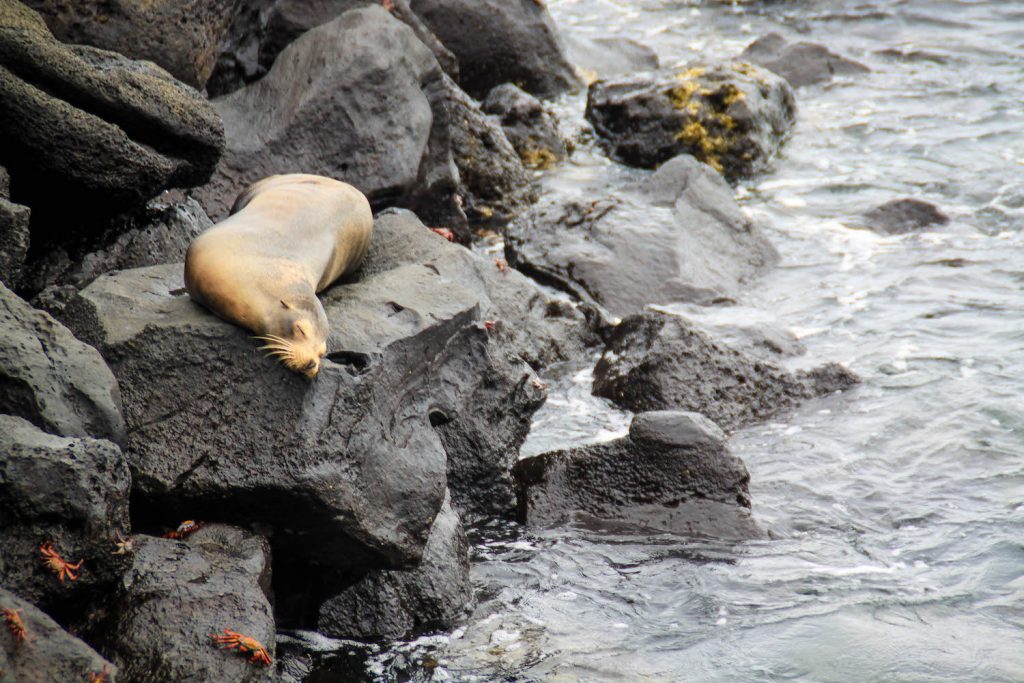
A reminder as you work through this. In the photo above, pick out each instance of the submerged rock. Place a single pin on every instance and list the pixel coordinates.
(900, 216)
(435, 596)
(608, 57)
(498, 41)
(97, 130)
(621, 254)
(177, 594)
(673, 472)
(48, 653)
(655, 361)
(531, 130)
(801, 63)
(70, 495)
(732, 117)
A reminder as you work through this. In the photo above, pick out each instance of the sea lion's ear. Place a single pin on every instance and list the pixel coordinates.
(285, 304)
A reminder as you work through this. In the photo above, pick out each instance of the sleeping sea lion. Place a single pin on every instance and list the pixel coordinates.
(288, 237)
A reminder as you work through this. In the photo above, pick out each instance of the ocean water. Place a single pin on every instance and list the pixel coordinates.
(895, 510)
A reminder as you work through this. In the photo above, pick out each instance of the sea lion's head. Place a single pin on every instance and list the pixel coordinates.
(298, 336)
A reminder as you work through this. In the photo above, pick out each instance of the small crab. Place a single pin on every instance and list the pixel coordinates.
(101, 677)
(232, 640)
(445, 233)
(125, 546)
(538, 384)
(489, 324)
(389, 5)
(186, 528)
(15, 625)
(501, 263)
(57, 564)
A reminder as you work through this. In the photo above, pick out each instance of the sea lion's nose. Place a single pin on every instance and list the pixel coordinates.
(312, 367)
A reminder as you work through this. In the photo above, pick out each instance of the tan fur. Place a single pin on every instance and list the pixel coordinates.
(288, 238)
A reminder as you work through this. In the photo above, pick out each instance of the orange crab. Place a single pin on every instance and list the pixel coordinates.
(101, 677)
(57, 564)
(501, 263)
(232, 640)
(445, 233)
(186, 528)
(15, 625)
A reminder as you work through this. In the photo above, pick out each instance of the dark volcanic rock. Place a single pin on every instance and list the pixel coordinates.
(51, 379)
(14, 239)
(622, 254)
(609, 57)
(97, 130)
(655, 361)
(732, 117)
(672, 472)
(72, 493)
(239, 60)
(177, 594)
(900, 216)
(531, 130)
(48, 654)
(182, 36)
(500, 41)
(800, 63)
(436, 595)
(360, 99)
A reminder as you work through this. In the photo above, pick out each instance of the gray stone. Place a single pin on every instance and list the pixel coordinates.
(498, 41)
(531, 130)
(801, 63)
(435, 596)
(900, 216)
(672, 472)
(732, 117)
(177, 594)
(52, 379)
(71, 493)
(607, 57)
(97, 130)
(655, 361)
(14, 239)
(49, 653)
(5, 183)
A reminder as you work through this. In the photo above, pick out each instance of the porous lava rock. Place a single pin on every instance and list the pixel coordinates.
(801, 63)
(527, 125)
(14, 239)
(672, 472)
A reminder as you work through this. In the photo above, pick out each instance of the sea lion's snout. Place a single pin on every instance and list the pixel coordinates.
(312, 368)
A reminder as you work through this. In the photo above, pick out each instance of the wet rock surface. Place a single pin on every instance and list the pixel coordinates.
(901, 216)
(801, 63)
(48, 652)
(52, 379)
(177, 594)
(434, 596)
(98, 130)
(68, 494)
(183, 37)
(672, 472)
(497, 41)
(615, 252)
(655, 361)
(732, 116)
(605, 57)
(528, 126)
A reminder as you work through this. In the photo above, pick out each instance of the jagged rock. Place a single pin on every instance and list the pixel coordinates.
(900, 216)
(88, 131)
(49, 653)
(608, 57)
(183, 37)
(615, 253)
(390, 605)
(732, 117)
(496, 185)
(71, 493)
(159, 232)
(14, 238)
(371, 95)
(672, 472)
(500, 41)
(51, 379)
(180, 592)
(801, 63)
(239, 60)
(655, 361)
(530, 129)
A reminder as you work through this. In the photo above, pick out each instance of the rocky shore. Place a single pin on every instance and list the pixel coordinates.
(161, 481)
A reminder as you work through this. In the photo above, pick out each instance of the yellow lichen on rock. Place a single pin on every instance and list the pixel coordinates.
(706, 147)
(538, 157)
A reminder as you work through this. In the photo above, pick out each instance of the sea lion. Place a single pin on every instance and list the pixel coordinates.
(288, 237)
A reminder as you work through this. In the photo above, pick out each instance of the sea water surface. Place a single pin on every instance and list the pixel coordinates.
(896, 548)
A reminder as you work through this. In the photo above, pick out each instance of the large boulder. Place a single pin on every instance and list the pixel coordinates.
(389, 605)
(360, 99)
(501, 41)
(656, 361)
(177, 594)
(531, 130)
(182, 36)
(620, 253)
(48, 653)
(88, 131)
(732, 117)
(801, 63)
(673, 472)
(51, 379)
(70, 495)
